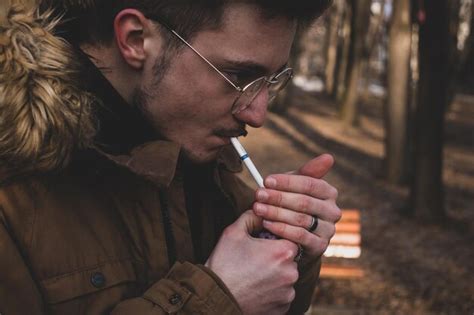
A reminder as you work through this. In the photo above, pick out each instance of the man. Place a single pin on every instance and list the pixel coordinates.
(145, 215)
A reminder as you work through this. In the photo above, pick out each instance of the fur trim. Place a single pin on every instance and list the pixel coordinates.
(67, 4)
(44, 116)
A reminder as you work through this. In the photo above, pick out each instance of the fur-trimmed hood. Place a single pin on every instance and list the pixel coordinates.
(44, 115)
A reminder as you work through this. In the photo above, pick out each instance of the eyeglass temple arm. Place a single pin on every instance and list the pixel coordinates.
(207, 61)
(164, 24)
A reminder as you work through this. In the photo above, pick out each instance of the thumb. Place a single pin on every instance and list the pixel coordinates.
(249, 222)
(317, 167)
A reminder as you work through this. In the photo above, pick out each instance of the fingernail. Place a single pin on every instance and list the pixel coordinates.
(262, 195)
(267, 223)
(260, 209)
(270, 182)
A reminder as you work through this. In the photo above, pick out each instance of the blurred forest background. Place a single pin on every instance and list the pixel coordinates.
(413, 62)
(387, 87)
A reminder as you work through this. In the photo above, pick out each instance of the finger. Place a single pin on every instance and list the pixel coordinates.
(283, 250)
(271, 213)
(324, 209)
(312, 244)
(289, 249)
(317, 167)
(301, 184)
(274, 213)
(249, 222)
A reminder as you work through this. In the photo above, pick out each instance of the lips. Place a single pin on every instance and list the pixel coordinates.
(228, 133)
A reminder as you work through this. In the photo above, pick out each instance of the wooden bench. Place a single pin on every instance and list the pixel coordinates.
(345, 245)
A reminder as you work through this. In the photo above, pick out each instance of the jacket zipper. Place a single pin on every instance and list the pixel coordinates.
(170, 243)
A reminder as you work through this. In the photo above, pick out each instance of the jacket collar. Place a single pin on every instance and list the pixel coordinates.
(158, 161)
(120, 126)
(128, 139)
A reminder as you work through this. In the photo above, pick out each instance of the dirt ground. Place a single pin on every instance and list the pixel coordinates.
(410, 266)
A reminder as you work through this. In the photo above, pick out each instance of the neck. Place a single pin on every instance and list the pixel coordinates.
(109, 61)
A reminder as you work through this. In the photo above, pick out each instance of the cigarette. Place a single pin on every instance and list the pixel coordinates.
(247, 161)
(256, 176)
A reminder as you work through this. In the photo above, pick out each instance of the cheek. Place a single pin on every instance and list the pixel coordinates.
(186, 108)
(200, 103)
(202, 89)
(190, 96)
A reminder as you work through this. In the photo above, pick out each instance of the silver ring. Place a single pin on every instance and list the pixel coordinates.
(314, 224)
(299, 255)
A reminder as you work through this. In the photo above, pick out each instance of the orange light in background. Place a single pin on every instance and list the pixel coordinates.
(346, 244)
(351, 252)
(346, 239)
(330, 271)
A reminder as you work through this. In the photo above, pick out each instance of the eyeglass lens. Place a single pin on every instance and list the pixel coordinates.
(253, 89)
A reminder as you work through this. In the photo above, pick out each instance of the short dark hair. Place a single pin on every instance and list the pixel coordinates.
(91, 21)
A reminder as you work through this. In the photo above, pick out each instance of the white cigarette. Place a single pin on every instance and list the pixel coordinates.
(247, 161)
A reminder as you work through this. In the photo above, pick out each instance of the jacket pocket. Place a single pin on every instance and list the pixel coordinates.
(87, 281)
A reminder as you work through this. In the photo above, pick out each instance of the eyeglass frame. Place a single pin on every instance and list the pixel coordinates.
(268, 80)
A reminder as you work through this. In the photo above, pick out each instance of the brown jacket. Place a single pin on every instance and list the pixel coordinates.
(93, 239)
(125, 228)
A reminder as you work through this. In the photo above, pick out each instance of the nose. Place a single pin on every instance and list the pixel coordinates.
(255, 114)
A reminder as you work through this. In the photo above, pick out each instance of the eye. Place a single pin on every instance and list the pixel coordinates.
(232, 76)
(239, 77)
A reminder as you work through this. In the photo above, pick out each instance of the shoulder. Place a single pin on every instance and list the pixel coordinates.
(18, 204)
(26, 196)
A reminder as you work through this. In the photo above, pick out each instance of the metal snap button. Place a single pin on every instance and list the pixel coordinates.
(98, 279)
(175, 299)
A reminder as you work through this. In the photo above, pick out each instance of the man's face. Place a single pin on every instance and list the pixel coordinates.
(191, 105)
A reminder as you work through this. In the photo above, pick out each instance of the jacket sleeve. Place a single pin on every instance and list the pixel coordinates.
(309, 275)
(187, 289)
(18, 291)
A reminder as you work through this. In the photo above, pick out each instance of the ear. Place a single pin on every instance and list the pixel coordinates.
(131, 28)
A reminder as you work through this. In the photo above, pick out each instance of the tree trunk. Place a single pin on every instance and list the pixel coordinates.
(466, 72)
(460, 55)
(397, 106)
(340, 84)
(357, 57)
(335, 17)
(375, 36)
(435, 54)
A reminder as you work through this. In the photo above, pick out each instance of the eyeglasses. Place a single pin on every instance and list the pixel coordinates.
(274, 83)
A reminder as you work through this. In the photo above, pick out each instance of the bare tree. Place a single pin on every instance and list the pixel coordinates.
(340, 80)
(466, 64)
(336, 16)
(374, 40)
(357, 57)
(397, 106)
(436, 53)
(465, 47)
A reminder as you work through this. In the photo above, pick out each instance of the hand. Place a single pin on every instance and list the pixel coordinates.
(260, 273)
(289, 201)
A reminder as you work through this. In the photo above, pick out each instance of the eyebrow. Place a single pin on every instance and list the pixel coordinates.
(252, 66)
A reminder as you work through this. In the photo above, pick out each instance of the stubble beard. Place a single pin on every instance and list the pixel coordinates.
(143, 96)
